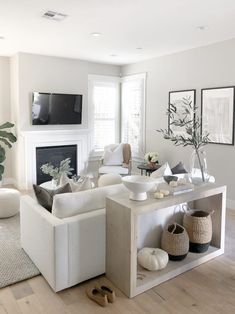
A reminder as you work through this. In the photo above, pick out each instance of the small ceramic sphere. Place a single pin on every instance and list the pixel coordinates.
(165, 192)
(158, 195)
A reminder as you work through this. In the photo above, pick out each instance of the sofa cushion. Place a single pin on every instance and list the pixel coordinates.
(113, 155)
(45, 197)
(68, 205)
(179, 168)
(164, 170)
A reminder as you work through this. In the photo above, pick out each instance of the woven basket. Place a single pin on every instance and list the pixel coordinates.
(198, 224)
(175, 242)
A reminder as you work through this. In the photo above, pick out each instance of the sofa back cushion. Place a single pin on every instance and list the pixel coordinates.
(67, 205)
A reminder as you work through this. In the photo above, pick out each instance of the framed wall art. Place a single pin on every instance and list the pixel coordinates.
(177, 99)
(217, 114)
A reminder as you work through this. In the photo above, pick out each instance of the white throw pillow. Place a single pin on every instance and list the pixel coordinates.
(113, 155)
(86, 184)
(164, 170)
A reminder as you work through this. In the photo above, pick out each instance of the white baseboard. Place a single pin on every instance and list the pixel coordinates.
(231, 204)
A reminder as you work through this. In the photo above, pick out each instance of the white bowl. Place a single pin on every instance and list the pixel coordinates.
(138, 185)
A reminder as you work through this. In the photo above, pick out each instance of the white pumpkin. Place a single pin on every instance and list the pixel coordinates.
(152, 259)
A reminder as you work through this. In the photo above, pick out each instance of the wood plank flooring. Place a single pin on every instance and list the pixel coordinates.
(209, 288)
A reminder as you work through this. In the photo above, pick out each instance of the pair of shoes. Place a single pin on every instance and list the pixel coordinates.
(101, 295)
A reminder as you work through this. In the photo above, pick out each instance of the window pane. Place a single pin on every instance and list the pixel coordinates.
(105, 100)
(104, 132)
(132, 114)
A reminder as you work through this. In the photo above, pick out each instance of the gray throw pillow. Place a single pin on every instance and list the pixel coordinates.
(179, 168)
(45, 197)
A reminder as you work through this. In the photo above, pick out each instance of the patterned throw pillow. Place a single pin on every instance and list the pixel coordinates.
(45, 197)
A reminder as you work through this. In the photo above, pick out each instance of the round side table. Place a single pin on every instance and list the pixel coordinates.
(147, 168)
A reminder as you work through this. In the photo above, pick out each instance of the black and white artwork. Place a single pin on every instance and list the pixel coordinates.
(177, 98)
(217, 112)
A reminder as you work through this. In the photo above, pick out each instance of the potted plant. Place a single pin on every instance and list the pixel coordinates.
(187, 118)
(7, 138)
(151, 158)
(56, 172)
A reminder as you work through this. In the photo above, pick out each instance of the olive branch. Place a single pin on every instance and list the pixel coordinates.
(187, 119)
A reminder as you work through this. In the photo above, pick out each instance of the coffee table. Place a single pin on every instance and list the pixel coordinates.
(147, 168)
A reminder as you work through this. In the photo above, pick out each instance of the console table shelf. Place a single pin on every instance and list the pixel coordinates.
(122, 236)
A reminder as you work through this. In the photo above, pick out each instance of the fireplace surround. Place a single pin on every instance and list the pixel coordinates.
(31, 140)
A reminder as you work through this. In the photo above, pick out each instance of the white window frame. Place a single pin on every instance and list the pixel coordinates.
(140, 155)
(91, 82)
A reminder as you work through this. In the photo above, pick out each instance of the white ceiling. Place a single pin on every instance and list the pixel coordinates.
(158, 26)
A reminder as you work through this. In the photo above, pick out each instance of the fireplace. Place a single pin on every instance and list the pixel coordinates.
(54, 155)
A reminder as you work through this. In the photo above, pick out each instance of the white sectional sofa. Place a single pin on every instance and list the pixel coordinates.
(67, 250)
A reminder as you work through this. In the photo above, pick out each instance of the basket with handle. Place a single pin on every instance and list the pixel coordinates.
(175, 241)
(198, 224)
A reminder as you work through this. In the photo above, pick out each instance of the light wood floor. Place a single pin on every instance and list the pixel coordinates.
(209, 288)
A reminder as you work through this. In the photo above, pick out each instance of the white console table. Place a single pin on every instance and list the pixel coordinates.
(122, 236)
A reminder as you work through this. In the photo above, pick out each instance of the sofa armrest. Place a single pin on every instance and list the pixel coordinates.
(44, 238)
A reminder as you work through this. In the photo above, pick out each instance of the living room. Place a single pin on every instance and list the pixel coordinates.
(109, 55)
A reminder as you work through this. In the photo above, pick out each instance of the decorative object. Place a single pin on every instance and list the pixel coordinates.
(15, 264)
(175, 242)
(177, 99)
(57, 172)
(165, 192)
(158, 195)
(9, 202)
(152, 259)
(179, 168)
(164, 170)
(109, 179)
(173, 184)
(138, 185)
(45, 197)
(148, 168)
(192, 136)
(198, 161)
(168, 179)
(217, 114)
(7, 139)
(151, 158)
(198, 224)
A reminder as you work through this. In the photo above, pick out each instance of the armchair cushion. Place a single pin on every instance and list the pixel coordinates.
(113, 155)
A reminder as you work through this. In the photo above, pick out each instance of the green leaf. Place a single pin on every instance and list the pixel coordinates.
(1, 171)
(6, 125)
(2, 154)
(3, 140)
(8, 135)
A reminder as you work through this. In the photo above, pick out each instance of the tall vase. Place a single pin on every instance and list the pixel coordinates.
(198, 167)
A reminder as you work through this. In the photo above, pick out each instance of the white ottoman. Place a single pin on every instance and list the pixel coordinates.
(9, 202)
(109, 179)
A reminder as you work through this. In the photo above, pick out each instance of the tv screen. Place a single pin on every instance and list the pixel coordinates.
(56, 109)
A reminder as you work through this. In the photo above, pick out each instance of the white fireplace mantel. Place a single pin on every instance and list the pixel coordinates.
(30, 140)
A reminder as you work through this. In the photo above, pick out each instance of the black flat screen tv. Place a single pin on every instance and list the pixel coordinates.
(52, 108)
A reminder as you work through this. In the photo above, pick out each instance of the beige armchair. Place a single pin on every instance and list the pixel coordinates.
(116, 159)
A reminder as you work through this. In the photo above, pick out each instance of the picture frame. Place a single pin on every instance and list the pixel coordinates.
(176, 98)
(217, 114)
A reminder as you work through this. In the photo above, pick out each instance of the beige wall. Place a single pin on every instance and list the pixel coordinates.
(5, 111)
(31, 72)
(209, 66)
